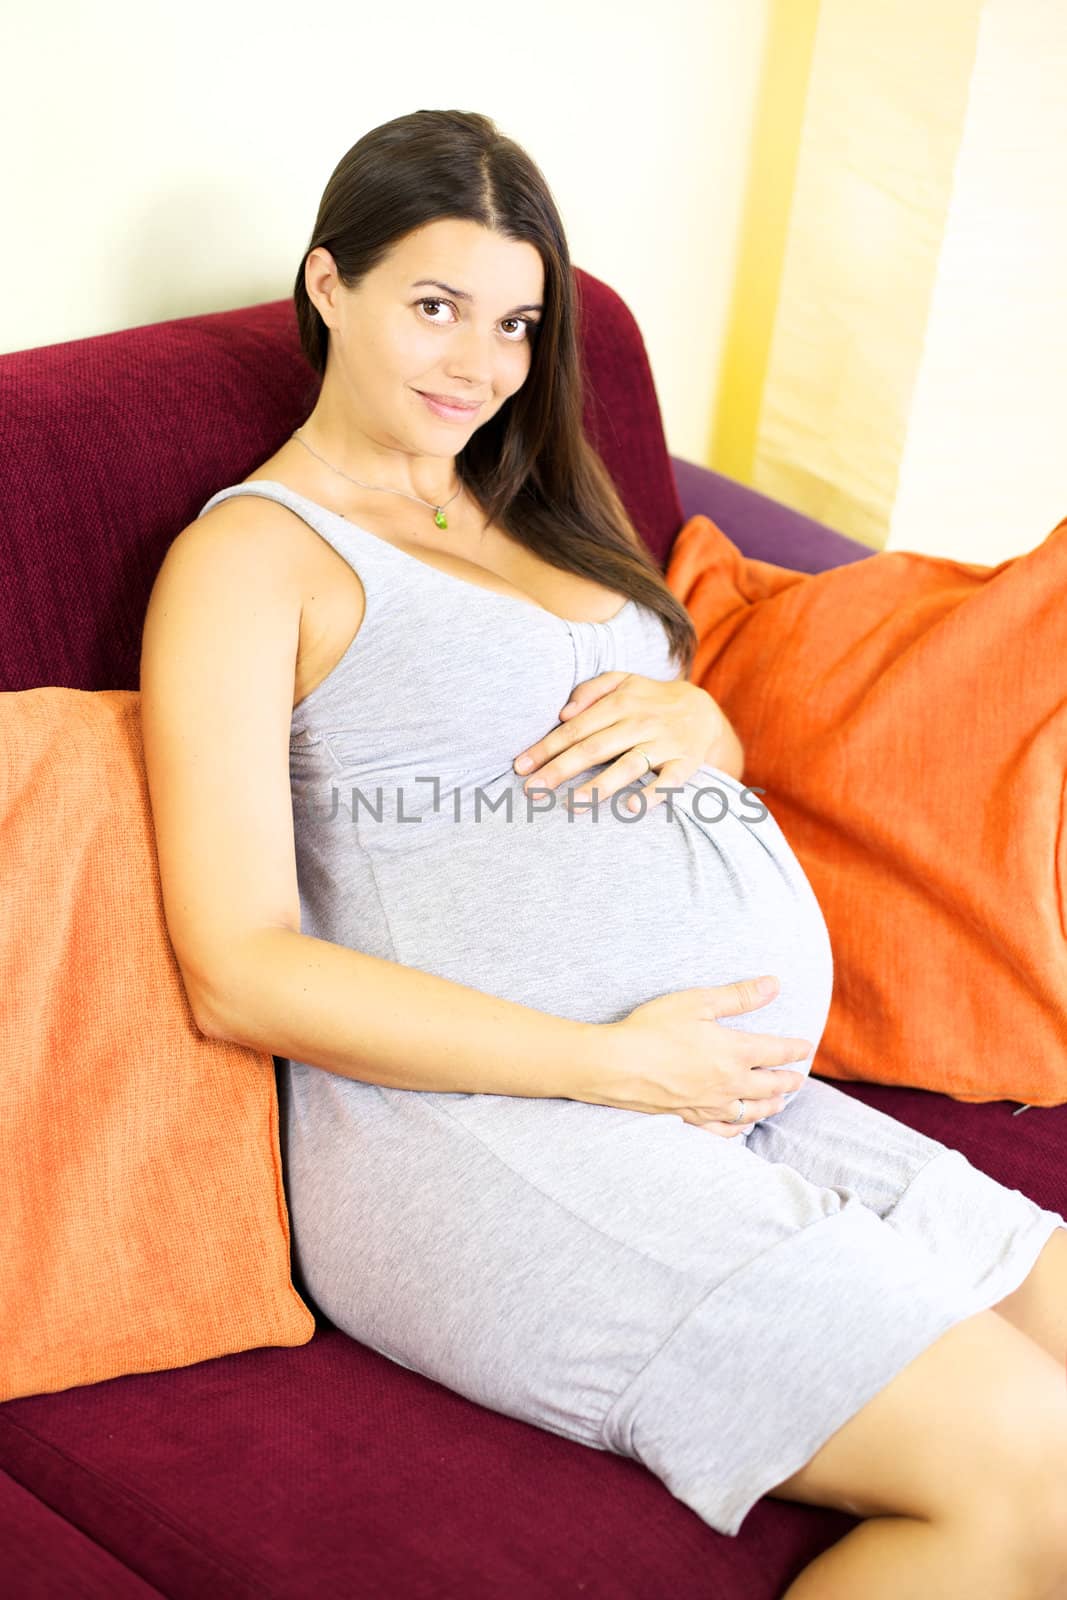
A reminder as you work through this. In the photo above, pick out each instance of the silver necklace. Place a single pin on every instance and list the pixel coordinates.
(438, 511)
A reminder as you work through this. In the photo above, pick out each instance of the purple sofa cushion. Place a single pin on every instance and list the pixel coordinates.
(761, 527)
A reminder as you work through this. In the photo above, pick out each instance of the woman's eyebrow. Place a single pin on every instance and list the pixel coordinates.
(462, 294)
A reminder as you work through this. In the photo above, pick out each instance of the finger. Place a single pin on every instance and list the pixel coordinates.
(618, 776)
(590, 690)
(671, 776)
(554, 742)
(535, 762)
(771, 1050)
(728, 1130)
(580, 748)
(649, 798)
(535, 755)
(755, 1109)
(597, 750)
(760, 1087)
(603, 787)
(772, 1085)
(730, 999)
(775, 1081)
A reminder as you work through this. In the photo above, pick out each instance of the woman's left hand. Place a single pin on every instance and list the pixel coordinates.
(678, 724)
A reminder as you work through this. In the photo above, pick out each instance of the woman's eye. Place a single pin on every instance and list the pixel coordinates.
(434, 303)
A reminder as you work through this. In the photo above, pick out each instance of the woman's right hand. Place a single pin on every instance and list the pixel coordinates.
(670, 1054)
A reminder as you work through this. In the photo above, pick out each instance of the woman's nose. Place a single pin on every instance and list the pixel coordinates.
(470, 358)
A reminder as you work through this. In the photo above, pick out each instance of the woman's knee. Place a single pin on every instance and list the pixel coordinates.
(974, 1426)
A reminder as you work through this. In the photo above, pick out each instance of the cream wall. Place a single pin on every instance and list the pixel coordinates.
(880, 136)
(164, 160)
(898, 336)
(983, 475)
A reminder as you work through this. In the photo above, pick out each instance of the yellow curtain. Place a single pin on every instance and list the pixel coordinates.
(862, 111)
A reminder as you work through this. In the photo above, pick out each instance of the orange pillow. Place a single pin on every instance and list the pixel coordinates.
(907, 718)
(145, 1224)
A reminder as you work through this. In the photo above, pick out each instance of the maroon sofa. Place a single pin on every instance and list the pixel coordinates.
(327, 1470)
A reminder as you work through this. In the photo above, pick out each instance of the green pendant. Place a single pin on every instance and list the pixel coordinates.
(440, 519)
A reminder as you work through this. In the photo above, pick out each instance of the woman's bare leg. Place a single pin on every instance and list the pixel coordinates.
(1039, 1306)
(958, 1464)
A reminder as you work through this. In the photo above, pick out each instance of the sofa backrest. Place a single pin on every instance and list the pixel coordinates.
(110, 445)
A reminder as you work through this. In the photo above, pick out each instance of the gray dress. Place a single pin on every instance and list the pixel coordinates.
(713, 1308)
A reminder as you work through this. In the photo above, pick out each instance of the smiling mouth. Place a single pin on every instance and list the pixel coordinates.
(450, 401)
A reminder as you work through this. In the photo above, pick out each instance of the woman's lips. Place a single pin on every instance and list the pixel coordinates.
(453, 412)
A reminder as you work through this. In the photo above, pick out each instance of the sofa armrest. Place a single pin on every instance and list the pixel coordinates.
(762, 527)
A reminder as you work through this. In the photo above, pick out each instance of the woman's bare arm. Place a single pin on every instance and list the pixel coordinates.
(218, 664)
(290, 994)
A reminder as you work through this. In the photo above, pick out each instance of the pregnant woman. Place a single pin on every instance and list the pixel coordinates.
(545, 1141)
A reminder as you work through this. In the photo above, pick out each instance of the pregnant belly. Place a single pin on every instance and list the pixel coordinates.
(587, 916)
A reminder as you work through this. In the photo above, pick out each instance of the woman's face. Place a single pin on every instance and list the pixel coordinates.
(448, 313)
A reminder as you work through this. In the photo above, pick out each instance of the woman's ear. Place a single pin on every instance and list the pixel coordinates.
(323, 284)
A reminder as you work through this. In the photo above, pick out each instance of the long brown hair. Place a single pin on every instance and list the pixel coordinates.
(531, 467)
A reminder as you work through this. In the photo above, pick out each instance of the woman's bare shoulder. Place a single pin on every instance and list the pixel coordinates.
(255, 530)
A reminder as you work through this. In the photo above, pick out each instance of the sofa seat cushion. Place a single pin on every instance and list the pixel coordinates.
(297, 1472)
(330, 1470)
(43, 1556)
